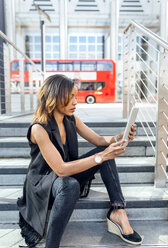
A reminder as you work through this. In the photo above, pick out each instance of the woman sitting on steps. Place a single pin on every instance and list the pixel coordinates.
(57, 176)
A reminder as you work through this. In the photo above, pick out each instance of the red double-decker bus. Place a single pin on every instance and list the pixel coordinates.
(96, 78)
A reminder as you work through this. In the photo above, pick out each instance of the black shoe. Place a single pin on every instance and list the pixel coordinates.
(133, 238)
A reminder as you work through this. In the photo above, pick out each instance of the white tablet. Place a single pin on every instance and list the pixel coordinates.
(130, 122)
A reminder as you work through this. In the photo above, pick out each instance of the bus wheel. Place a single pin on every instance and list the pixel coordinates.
(90, 99)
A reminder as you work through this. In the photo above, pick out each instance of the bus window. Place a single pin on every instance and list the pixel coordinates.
(65, 66)
(104, 66)
(100, 85)
(26, 65)
(51, 65)
(87, 86)
(88, 66)
(92, 85)
(15, 66)
(38, 64)
(76, 65)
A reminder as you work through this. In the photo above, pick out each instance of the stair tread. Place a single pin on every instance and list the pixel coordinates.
(141, 142)
(93, 235)
(136, 161)
(24, 139)
(9, 194)
(92, 123)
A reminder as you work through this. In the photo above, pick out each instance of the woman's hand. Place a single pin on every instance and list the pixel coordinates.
(132, 133)
(119, 136)
(114, 150)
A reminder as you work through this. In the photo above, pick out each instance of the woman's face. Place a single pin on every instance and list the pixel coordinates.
(70, 108)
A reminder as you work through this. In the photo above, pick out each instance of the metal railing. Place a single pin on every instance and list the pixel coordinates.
(20, 79)
(145, 74)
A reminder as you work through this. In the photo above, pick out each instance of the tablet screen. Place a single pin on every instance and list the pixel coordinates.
(130, 122)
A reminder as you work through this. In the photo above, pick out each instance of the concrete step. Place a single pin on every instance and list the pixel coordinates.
(93, 235)
(18, 147)
(131, 171)
(143, 203)
(19, 129)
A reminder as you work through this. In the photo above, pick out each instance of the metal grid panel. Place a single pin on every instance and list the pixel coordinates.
(145, 84)
(19, 79)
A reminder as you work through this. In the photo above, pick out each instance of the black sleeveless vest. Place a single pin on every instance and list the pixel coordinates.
(33, 205)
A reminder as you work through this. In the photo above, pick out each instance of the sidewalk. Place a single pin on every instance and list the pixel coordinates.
(100, 112)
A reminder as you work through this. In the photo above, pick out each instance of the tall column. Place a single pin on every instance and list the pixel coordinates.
(63, 30)
(164, 19)
(2, 76)
(161, 130)
(43, 59)
(10, 22)
(107, 46)
(114, 22)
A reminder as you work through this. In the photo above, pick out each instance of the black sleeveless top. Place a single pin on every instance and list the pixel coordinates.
(66, 152)
(33, 205)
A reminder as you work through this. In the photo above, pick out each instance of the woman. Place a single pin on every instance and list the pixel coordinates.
(56, 175)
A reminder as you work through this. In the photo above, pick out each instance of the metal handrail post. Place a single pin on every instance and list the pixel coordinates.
(132, 68)
(125, 74)
(31, 87)
(21, 71)
(161, 135)
(7, 78)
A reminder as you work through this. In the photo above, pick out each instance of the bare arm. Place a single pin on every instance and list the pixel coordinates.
(98, 140)
(88, 134)
(55, 161)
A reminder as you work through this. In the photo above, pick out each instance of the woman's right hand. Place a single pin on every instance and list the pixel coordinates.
(114, 150)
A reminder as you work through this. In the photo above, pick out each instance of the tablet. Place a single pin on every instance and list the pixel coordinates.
(130, 122)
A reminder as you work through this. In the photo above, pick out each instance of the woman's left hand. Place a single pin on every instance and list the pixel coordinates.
(132, 133)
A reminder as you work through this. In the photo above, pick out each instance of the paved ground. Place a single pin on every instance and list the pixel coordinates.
(99, 112)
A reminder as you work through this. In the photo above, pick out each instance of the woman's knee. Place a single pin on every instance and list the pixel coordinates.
(67, 185)
(72, 185)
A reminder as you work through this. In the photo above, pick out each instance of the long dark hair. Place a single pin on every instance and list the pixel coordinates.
(55, 91)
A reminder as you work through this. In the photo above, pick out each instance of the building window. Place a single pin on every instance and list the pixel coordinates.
(73, 39)
(82, 39)
(120, 47)
(33, 46)
(86, 46)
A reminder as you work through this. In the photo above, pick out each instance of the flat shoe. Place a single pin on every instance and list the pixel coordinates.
(133, 238)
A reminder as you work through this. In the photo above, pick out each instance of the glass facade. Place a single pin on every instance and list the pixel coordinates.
(86, 46)
(80, 46)
(33, 46)
(120, 47)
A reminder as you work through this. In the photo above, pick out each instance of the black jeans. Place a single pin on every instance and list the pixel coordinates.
(66, 192)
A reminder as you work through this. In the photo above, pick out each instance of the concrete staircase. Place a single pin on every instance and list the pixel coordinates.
(146, 205)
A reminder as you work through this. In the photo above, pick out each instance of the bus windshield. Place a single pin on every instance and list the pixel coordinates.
(15, 66)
